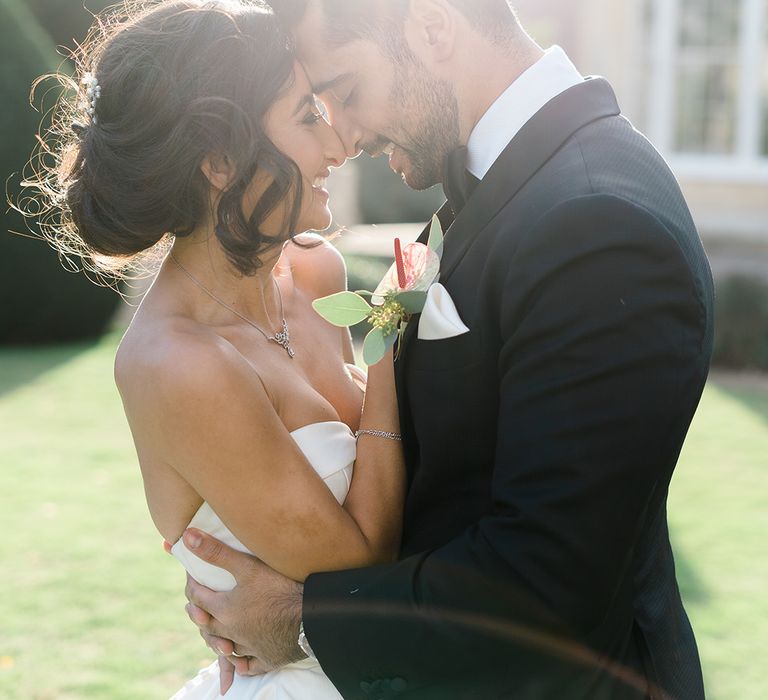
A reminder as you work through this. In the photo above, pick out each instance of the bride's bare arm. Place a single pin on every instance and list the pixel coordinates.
(376, 498)
(206, 413)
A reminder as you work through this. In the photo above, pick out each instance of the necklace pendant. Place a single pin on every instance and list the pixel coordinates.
(283, 339)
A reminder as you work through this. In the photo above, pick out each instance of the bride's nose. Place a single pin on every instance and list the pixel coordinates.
(334, 148)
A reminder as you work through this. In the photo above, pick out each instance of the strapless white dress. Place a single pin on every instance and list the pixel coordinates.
(330, 448)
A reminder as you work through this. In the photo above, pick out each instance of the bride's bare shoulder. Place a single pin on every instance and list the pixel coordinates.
(168, 357)
(316, 263)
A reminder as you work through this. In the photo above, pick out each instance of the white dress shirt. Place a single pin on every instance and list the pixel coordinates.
(550, 76)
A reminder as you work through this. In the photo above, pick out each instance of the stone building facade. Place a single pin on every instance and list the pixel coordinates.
(693, 76)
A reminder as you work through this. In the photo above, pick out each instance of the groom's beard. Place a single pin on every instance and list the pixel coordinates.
(430, 112)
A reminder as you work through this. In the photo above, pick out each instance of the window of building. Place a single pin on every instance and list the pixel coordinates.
(707, 75)
(764, 91)
(708, 97)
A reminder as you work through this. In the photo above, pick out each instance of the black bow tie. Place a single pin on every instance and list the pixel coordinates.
(458, 182)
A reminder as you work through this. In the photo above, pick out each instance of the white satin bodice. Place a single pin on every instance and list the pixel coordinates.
(330, 448)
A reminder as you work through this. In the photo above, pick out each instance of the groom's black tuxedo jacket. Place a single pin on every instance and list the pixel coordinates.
(536, 560)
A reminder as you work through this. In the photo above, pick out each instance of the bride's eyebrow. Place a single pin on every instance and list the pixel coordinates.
(307, 100)
(320, 88)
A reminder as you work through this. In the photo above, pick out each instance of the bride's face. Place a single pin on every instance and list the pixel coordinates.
(299, 131)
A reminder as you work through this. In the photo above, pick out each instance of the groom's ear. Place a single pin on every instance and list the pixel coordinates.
(430, 28)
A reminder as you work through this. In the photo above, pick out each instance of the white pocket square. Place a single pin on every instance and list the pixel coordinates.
(439, 318)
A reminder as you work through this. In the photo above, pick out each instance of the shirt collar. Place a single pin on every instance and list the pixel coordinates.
(550, 76)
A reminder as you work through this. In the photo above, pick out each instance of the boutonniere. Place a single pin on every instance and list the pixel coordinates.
(401, 294)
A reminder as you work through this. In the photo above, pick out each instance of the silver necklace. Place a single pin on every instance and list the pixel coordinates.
(282, 338)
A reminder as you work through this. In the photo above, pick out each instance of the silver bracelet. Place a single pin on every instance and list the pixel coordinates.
(379, 433)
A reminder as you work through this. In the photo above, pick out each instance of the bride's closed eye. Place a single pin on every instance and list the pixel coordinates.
(312, 117)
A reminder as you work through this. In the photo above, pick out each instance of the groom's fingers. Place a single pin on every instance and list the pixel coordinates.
(198, 615)
(217, 553)
(223, 647)
(251, 666)
(203, 602)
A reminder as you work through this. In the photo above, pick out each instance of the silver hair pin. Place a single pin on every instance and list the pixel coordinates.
(93, 93)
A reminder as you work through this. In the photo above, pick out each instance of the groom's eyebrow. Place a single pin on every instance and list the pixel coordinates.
(327, 85)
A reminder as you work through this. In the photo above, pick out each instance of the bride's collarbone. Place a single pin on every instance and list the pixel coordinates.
(314, 386)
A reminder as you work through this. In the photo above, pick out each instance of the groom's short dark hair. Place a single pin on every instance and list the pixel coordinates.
(347, 20)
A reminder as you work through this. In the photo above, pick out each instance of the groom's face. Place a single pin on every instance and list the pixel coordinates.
(382, 100)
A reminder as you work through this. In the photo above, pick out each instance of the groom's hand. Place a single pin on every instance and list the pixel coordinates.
(260, 616)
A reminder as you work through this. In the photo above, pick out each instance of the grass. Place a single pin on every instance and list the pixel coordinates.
(93, 608)
(719, 520)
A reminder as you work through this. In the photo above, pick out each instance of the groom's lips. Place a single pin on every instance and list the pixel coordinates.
(397, 159)
(396, 154)
(377, 148)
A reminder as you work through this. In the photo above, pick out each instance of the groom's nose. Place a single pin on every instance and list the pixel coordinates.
(349, 131)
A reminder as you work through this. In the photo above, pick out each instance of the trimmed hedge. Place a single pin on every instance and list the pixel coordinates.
(741, 323)
(66, 21)
(39, 300)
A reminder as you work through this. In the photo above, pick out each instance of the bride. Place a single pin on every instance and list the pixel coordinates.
(195, 127)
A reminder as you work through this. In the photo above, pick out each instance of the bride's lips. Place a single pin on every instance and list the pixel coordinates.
(319, 184)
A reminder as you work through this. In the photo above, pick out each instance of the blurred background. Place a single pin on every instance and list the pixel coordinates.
(95, 608)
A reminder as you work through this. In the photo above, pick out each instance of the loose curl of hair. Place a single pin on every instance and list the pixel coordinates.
(180, 80)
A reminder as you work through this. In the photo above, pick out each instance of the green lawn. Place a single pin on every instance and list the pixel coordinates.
(95, 607)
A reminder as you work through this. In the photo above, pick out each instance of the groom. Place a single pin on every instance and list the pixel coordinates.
(536, 560)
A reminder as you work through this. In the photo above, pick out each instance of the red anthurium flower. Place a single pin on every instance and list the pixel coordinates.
(401, 294)
(420, 269)
(400, 264)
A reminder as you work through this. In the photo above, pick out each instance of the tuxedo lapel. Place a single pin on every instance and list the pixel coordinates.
(531, 148)
(528, 151)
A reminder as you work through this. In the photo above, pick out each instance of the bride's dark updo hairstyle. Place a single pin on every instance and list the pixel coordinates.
(179, 80)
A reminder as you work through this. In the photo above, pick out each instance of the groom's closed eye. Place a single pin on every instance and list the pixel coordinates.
(339, 88)
(331, 84)
(344, 91)
(349, 94)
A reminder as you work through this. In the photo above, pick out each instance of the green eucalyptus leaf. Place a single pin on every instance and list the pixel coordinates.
(391, 339)
(412, 301)
(435, 241)
(374, 347)
(343, 309)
